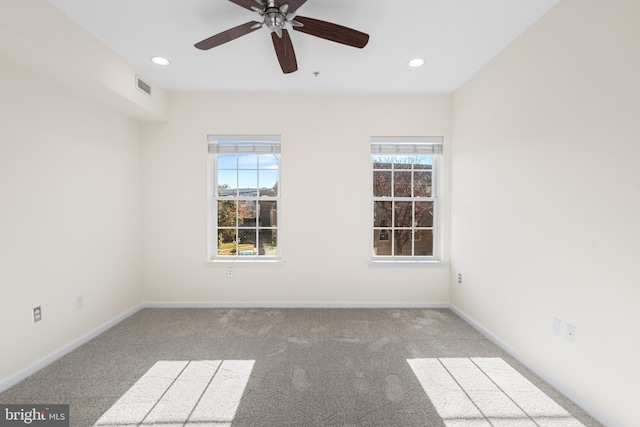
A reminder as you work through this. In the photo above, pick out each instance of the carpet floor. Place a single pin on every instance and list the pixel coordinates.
(296, 367)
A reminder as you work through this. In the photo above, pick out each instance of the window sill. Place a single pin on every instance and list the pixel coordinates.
(377, 263)
(244, 262)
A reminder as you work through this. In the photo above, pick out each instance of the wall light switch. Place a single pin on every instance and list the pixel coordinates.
(557, 327)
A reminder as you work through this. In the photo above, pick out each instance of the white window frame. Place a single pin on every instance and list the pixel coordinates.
(259, 144)
(427, 145)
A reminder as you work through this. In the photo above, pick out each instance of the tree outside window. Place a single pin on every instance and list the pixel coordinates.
(404, 202)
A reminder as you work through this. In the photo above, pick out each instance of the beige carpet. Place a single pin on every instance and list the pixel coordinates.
(296, 367)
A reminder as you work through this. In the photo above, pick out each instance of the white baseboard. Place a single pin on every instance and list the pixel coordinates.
(554, 382)
(293, 304)
(14, 379)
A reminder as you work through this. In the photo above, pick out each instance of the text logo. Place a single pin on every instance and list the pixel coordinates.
(34, 415)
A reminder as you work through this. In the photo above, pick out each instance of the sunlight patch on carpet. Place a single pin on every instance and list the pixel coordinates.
(486, 392)
(179, 393)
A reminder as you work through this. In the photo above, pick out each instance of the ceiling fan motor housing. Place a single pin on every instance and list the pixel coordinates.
(274, 19)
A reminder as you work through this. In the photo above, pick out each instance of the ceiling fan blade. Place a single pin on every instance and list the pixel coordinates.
(333, 32)
(227, 36)
(247, 4)
(294, 5)
(284, 51)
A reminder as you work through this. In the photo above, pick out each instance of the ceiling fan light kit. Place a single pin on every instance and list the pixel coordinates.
(276, 17)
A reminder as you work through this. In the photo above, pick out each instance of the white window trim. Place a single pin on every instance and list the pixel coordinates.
(212, 259)
(407, 263)
(411, 145)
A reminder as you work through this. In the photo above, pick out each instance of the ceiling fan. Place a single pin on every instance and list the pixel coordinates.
(276, 14)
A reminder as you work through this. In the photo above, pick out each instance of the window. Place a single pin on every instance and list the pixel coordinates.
(404, 197)
(244, 197)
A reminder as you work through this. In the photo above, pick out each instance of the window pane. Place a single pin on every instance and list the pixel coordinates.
(382, 161)
(422, 162)
(268, 214)
(247, 242)
(247, 180)
(381, 184)
(268, 180)
(227, 161)
(422, 183)
(403, 212)
(246, 213)
(423, 242)
(247, 161)
(402, 184)
(382, 214)
(227, 183)
(424, 214)
(226, 213)
(269, 192)
(269, 161)
(382, 242)
(402, 162)
(226, 242)
(402, 241)
(268, 242)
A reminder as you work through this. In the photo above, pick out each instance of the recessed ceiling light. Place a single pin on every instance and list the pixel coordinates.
(160, 60)
(415, 63)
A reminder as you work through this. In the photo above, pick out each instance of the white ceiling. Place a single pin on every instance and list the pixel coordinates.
(456, 37)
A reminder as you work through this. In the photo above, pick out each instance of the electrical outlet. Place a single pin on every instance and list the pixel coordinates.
(230, 272)
(459, 278)
(37, 314)
(571, 333)
(79, 302)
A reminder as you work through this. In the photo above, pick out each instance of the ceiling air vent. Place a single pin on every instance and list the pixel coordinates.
(143, 86)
